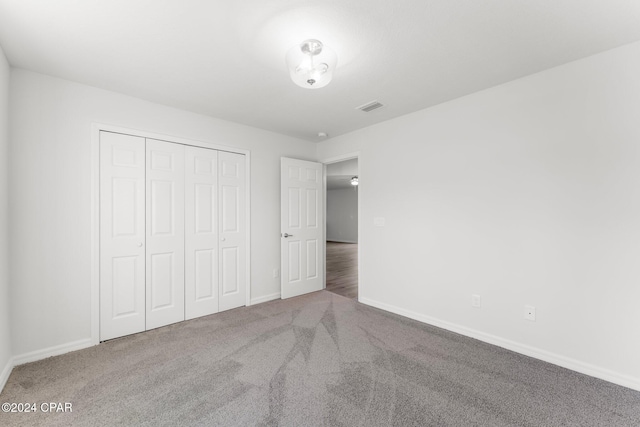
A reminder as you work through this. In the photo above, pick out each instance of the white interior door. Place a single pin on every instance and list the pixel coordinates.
(165, 233)
(233, 230)
(201, 232)
(122, 235)
(302, 219)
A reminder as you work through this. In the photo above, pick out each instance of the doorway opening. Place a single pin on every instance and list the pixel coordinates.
(342, 227)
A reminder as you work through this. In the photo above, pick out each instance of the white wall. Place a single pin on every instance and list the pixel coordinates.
(50, 200)
(526, 193)
(5, 332)
(342, 215)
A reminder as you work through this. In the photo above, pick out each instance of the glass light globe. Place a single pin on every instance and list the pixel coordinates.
(311, 64)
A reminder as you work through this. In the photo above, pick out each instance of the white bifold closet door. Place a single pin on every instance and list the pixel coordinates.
(165, 233)
(215, 232)
(233, 230)
(122, 235)
(173, 231)
(201, 232)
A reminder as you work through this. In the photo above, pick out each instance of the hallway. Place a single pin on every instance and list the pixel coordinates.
(342, 269)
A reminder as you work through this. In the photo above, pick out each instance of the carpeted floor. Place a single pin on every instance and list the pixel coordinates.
(319, 359)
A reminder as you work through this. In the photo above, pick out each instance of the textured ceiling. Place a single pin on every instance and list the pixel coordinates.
(226, 58)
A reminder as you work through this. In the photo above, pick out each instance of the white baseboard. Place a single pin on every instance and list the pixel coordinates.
(6, 371)
(341, 241)
(51, 351)
(265, 298)
(556, 359)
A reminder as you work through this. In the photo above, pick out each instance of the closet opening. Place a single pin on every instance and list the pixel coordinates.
(170, 231)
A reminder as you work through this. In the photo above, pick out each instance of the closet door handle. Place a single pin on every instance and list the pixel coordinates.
(285, 235)
(140, 244)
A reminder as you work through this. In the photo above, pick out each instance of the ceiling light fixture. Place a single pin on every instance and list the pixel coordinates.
(311, 64)
(354, 180)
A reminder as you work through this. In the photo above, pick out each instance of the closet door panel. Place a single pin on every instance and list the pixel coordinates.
(233, 233)
(165, 233)
(122, 235)
(201, 235)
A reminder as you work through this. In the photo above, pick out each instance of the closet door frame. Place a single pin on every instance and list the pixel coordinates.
(96, 128)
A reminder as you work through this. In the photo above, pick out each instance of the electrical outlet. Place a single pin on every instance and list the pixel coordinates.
(276, 273)
(530, 313)
(476, 301)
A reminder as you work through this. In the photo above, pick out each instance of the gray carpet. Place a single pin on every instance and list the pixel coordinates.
(319, 359)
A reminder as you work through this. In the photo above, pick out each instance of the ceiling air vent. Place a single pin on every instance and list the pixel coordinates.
(370, 106)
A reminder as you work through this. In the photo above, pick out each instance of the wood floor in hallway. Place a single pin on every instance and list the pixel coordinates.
(342, 269)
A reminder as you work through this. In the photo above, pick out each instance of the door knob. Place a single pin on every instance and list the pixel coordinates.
(140, 244)
(287, 235)
(223, 239)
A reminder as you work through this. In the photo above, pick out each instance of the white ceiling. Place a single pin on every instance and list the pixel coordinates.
(225, 58)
